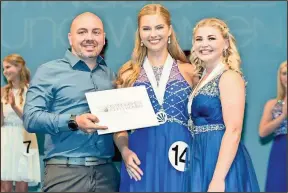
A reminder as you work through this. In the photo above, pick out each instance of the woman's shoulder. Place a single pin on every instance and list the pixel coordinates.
(231, 76)
(271, 103)
(189, 71)
(187, 67)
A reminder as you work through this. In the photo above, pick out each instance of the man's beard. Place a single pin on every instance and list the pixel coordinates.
(90, 56)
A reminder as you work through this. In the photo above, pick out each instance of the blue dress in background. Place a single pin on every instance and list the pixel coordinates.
(277, 167)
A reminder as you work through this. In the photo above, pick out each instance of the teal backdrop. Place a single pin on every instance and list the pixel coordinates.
(38, 31)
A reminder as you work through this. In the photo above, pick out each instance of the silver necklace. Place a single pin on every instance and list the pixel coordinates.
(157, 73)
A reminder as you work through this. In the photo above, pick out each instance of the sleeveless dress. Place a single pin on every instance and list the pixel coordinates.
(207, 131)
(16, 163)
(152, 144)
(277, 166)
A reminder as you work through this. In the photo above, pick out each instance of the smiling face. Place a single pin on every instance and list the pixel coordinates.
(154, 32)
(87, 36)
(11, 72)
(208, 44)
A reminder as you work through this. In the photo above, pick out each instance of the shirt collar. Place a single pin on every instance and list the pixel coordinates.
(73, 60)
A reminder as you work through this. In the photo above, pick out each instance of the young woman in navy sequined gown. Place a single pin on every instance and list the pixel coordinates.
(274, 121)
(154, 157)
(219, 160)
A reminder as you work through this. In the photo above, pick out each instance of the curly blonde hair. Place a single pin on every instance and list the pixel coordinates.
(17, 60)
(140, 52)
(231, 55)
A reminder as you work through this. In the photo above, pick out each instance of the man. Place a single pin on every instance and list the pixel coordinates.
(77, 159)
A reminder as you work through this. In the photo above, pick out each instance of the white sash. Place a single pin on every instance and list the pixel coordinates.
(216, 71)
(159, 90)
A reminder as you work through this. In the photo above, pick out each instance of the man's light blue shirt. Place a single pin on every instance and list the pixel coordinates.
(56, 91)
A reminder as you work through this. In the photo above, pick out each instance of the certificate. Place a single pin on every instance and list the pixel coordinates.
(122, 109)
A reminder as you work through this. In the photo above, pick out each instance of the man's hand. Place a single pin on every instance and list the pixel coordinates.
(88, 123)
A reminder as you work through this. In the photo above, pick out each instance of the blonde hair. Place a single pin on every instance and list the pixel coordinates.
(140, 52)
(17, 60)
(280, 87)
(231, 58)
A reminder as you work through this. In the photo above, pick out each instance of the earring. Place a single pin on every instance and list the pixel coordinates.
(225, 53)
(141, 44)
(169, 41)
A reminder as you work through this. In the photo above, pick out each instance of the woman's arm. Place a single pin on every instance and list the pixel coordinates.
(131, 160)
(232, 95)
(121, 140)
(11, 100)
(267, 124)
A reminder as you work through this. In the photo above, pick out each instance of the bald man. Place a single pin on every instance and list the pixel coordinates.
(77, 159)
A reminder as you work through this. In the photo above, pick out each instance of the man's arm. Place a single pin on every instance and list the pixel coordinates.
(39, 98)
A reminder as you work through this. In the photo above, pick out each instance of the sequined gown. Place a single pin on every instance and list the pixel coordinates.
(277, 166)
(207, 131)
(152, 144)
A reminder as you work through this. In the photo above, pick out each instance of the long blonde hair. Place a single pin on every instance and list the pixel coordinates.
(231, 56)
(280, 87)
(140, 52)
(17, 60)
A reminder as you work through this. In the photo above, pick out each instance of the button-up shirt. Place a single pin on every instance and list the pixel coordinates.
(57, 91)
